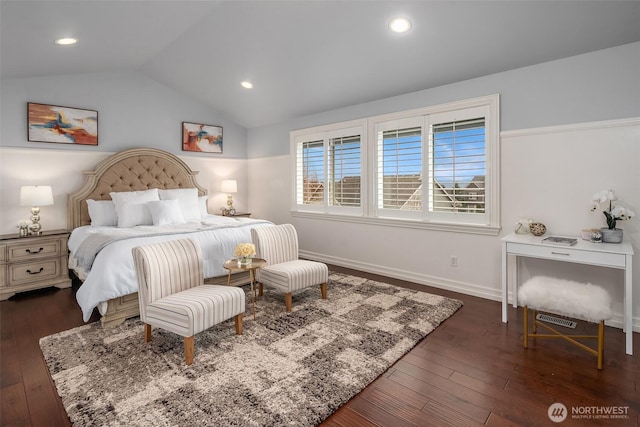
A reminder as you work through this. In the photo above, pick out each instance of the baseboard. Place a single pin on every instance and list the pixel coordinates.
(422, 279)
(438, 282)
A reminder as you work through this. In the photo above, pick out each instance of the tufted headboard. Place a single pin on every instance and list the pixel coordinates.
(129, 170)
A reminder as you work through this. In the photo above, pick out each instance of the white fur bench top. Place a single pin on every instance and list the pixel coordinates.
(565, 297)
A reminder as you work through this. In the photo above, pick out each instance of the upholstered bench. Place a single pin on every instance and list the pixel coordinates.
(565, 298)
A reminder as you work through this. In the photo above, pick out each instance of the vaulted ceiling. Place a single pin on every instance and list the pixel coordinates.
(302, 56)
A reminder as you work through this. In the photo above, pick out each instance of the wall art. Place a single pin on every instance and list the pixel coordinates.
(65, 125)
(201, 138)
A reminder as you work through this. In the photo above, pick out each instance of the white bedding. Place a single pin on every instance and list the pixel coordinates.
(113, 274)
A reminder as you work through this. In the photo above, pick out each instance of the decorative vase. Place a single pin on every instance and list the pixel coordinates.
(23, 231)
(611, 235)
(537, 228)
(243, 261)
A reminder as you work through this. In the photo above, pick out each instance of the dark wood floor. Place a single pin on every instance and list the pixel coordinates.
(472, 370)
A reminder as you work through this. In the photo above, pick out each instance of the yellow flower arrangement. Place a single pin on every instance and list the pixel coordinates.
(245, 250)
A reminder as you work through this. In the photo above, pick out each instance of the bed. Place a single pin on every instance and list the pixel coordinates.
(109, 281)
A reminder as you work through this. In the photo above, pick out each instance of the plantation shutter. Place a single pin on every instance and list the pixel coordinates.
(458, 166)
(311, 174)
(344, 171)
(400, 169)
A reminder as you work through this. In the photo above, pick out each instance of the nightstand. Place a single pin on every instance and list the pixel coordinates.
(243, 214)
(33, 262)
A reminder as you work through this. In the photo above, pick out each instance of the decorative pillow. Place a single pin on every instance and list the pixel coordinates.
(187, 200)
(202, 201)
(165, 212)
(102, 213)
(131, 206)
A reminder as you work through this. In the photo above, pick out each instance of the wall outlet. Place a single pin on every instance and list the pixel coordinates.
(453, 261)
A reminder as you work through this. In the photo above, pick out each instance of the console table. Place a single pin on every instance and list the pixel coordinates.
(611, 255)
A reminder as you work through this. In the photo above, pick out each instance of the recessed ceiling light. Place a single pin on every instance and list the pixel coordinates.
(247, 85)
(400, 25)
(67, 41)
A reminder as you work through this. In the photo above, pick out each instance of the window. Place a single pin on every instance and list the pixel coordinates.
(344, 171)
(435, 167)
(459, 167)
(334, 153)
(399, 167)
(312, 178)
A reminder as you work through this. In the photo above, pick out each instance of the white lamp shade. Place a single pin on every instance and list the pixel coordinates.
(36, 195)
(229, 186)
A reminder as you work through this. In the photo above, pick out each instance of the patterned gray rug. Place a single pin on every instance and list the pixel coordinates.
(288, 369)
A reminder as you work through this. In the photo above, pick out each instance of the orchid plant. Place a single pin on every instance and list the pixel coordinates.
(613, 213)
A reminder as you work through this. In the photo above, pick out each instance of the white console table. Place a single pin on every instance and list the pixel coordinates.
(611, 255)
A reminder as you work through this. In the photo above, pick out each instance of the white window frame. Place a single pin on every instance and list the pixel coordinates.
(326, 133)
(487, 223)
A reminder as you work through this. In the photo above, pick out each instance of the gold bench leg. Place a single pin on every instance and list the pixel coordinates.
(600, 344)
(525, 321)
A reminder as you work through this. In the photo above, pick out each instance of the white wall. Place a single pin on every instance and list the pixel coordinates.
(133, 111)
(589, 148)
(570, 128)
(62, 169)
(600, 85)
(548, 174)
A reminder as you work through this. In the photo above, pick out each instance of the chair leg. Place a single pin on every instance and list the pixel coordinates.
(535, 325)
(288, 301)
(188, 350)
(525, 321)
(600, 344)
(323, 290)
(238, 320)
(260, 289)
(147, 332)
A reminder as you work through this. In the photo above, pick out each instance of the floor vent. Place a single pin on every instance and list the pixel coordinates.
(557, 321)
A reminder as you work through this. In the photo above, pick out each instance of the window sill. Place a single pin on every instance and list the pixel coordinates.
(487, 230)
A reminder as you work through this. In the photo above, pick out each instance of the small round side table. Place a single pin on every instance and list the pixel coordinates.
(233, 265)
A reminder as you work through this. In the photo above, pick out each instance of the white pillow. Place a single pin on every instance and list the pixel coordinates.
(102, 213)
(204, 210)
(131, 206)
(187, 200)
(165, 212)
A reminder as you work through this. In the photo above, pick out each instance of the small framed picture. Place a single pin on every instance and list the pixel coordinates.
(201, 138)
(64, 125)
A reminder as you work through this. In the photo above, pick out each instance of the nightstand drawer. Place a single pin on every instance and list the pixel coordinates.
(34, 271)
(26, 251)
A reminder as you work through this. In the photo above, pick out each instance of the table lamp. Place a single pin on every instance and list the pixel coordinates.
(35, 196)
(229, 186)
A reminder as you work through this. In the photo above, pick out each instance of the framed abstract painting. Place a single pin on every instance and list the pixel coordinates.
(201, 138)
(65, 125)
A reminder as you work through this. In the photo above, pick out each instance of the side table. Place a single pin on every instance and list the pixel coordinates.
(33, 262)
(234, 265)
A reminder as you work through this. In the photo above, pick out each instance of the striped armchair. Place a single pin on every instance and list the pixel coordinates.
(172, 295)
(278, 245)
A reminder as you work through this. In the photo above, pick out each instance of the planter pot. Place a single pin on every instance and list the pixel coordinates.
(611, 236)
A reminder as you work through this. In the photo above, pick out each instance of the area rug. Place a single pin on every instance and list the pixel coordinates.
(287, 369)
